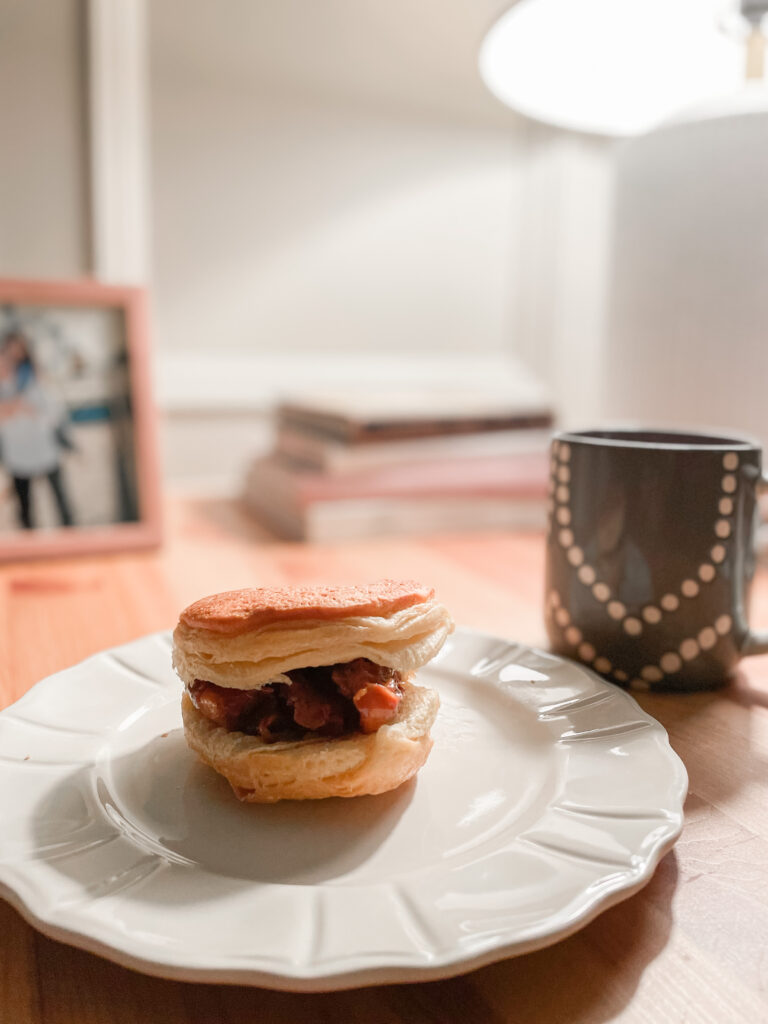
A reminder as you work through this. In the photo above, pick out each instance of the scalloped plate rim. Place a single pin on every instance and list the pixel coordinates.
(340, 977)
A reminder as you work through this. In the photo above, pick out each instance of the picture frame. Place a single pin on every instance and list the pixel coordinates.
(79, 470)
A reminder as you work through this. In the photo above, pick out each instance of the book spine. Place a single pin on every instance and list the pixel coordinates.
(374, 431)
(358, 520)
(335, 457)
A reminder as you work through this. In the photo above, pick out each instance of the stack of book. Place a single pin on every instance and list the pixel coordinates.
(346, 467)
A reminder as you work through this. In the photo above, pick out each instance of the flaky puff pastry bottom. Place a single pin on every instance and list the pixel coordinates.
(312, 769)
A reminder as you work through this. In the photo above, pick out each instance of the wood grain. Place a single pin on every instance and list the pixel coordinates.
(692, 946)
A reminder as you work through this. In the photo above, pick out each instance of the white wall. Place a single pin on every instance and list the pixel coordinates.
(560, 292)
(289, 220)
(44, 223)
(325, 179)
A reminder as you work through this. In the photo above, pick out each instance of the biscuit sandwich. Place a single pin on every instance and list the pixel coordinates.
(307, 692)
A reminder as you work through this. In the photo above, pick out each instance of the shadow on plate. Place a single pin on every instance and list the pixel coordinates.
(165, 802)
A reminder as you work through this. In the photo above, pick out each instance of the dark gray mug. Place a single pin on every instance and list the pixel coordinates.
(651, 554)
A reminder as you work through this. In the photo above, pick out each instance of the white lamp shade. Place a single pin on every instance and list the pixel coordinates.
(687, 331)
(613, 67)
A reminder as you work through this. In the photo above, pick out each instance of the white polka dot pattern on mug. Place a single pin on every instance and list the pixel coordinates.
(691, 647)
(723, 528)
(575, 556)
(707, 638)
(669, 663)
(652, 674)
(690, 588)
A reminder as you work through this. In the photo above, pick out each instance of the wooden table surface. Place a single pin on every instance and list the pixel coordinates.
(692, 946)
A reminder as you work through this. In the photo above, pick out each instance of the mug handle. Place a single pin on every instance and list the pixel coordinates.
(756, 641)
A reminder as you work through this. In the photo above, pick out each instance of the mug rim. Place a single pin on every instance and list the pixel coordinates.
(657, 439)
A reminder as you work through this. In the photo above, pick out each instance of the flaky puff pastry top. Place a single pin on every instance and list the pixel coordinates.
(245, 639)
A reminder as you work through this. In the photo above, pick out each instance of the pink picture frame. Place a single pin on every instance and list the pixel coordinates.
(51, 298)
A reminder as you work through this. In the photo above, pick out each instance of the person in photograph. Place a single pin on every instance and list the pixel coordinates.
(32, 432)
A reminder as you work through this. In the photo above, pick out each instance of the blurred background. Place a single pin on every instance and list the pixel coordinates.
(563, 210)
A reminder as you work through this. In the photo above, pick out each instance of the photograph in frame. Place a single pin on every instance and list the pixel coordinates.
(78, 462)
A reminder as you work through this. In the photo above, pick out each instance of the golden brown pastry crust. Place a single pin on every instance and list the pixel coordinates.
(404, 640)
(354, 765)
(240, 611)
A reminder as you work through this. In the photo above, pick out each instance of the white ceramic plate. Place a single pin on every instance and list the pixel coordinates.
(548, 796)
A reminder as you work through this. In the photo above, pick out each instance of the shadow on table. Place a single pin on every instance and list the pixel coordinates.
(594, 974)
(745, 692)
